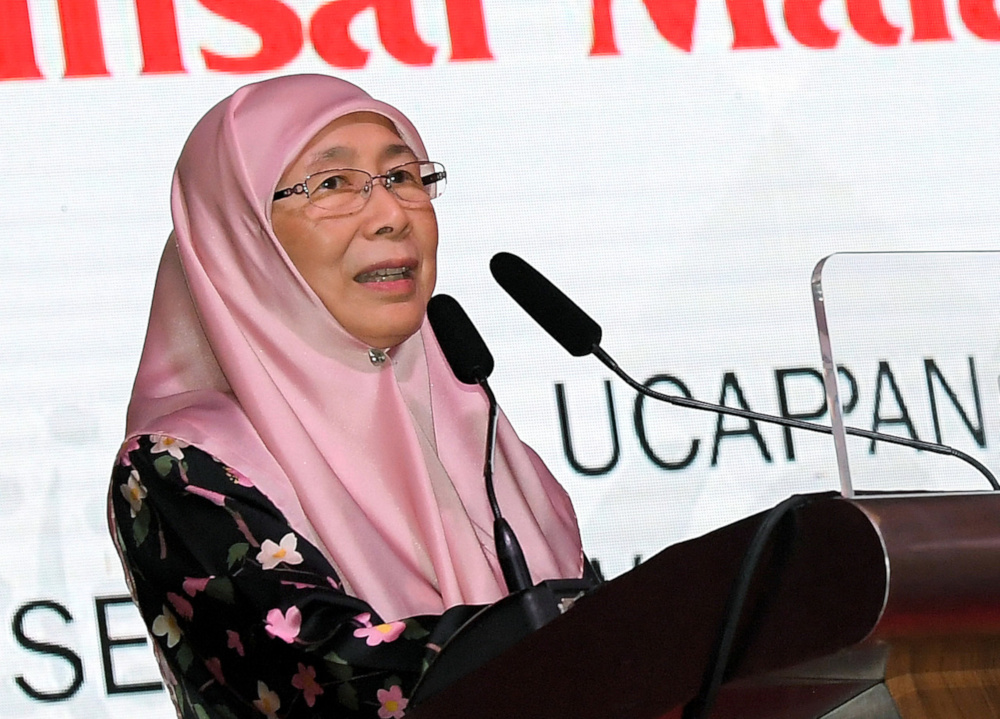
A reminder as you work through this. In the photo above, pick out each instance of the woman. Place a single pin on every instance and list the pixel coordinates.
(299, 503)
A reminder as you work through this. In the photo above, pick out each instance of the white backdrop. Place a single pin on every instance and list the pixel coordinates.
(681, 195)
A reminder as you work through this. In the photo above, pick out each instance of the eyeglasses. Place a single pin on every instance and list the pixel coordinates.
(344, 191)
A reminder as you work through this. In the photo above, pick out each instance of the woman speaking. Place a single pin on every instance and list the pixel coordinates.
(299, 502)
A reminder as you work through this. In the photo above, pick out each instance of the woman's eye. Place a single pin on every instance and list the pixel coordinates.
(334, 182)
(340, 181)
(402, 176)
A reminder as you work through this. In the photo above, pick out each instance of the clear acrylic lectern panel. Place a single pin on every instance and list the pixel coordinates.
(911, 347)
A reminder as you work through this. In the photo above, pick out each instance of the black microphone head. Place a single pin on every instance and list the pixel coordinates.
(548, 306)
(468, 355)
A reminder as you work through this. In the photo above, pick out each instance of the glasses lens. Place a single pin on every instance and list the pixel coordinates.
(339, 191)
(417, 181)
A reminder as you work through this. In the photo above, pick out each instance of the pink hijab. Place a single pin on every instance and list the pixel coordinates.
(379, 466)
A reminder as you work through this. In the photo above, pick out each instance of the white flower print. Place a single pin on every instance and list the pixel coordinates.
(271, 554)
(134, 492)
(166, 625)
(268, 702)
(173, 447)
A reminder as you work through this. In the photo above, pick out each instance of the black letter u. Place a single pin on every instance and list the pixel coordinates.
(567, 441)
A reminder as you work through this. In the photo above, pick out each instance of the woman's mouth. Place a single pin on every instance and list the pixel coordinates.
(385, 274)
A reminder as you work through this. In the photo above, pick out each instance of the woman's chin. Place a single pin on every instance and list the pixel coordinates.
(390, 326)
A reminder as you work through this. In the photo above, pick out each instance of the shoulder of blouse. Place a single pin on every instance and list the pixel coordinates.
(161, 458)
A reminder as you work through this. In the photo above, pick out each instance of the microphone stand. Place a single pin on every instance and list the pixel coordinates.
(580, 335)
(509, 552)
(527, 607)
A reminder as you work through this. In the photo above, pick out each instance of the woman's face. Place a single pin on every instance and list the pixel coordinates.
(338, 256)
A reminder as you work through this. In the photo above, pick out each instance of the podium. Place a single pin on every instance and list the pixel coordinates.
(879, 606)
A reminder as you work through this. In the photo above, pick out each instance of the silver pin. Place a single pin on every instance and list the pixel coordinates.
(378, 357)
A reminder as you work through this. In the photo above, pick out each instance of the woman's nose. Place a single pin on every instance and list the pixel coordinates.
(385, 211)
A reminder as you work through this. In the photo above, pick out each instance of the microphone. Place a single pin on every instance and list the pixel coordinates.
(463, 347)
(548, 306)
(471, 362)
(580, 335)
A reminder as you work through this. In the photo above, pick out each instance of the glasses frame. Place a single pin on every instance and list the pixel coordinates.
(302, 188)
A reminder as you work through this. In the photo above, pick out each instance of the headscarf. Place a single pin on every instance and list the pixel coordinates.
(379, 466)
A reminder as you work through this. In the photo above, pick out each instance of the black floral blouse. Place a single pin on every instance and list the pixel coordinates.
(248, 618)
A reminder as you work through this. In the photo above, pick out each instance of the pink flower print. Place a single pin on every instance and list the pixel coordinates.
(193, 585)
(182, 605)
(268, 703)
(333, 582)
(392, 702)
(215, 498)
(306, 681)
(134, 493)
(375, 635)
(233, 641)
(271, 554)
(214, 666)
(166, 625)
(284, 626)
(173, 447)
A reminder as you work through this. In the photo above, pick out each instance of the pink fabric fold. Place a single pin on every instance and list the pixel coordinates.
(380, 467)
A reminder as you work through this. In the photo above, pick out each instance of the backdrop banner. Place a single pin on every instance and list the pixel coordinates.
(677, 167)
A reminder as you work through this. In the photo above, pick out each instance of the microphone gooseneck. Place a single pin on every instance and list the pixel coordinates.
(471, 362)
(580, 335)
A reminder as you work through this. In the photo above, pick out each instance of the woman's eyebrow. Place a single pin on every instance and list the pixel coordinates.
(397, 150)
(336, 153)
(345, 155)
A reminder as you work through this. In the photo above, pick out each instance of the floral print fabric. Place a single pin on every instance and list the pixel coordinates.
(248, 617)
